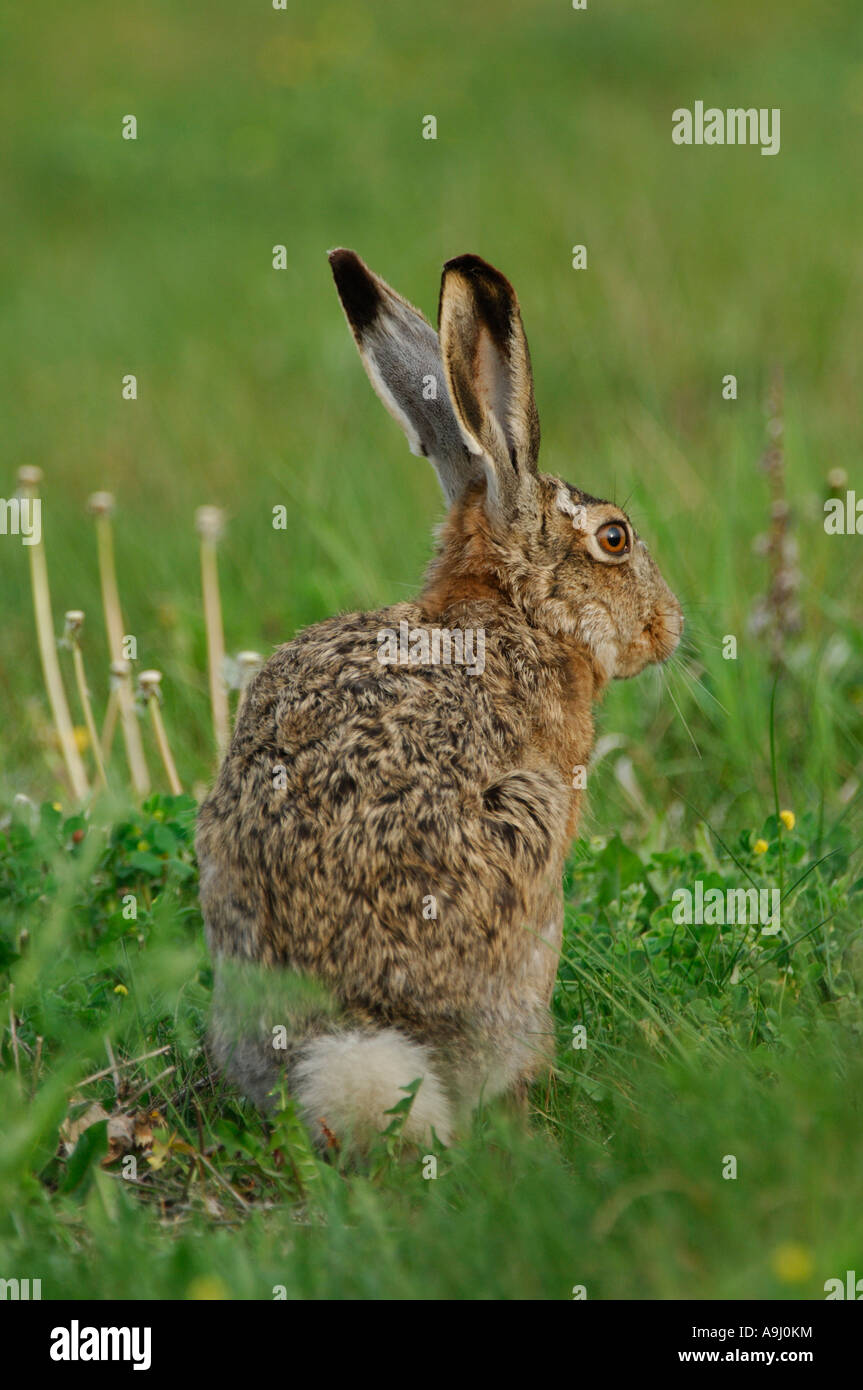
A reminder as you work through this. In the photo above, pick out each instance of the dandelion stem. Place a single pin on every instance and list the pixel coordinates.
(149, 682)
(28, 478)
(101, 505)
(164, 750)
(74, 623)
(110, 724)
(84, 696)
(209, 524)
(248, 664)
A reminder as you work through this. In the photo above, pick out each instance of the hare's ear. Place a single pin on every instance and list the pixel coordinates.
(487, 365)
(401, 353)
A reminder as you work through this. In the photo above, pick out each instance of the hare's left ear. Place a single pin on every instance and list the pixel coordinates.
(487, 365)
(400, 352)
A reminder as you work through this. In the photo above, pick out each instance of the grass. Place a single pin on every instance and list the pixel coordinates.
(155, 257)
(699, 1045)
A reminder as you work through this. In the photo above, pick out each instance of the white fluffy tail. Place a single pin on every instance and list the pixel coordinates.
(347, 1081)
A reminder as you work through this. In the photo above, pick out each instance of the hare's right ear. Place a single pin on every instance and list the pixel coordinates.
(401, 353)
(489, 376)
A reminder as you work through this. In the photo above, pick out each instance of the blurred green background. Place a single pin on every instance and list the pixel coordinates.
(304, 127)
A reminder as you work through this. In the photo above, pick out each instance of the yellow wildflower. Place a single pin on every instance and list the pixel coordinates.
(792, 1263)
(207, 1287)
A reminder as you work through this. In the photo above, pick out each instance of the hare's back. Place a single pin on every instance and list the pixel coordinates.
(332, 718)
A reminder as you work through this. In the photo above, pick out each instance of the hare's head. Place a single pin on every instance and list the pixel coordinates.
(574, 565)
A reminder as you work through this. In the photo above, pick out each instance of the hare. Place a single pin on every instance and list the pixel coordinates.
(381, 856)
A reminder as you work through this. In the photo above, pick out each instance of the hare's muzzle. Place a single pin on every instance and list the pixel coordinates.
(665, 629)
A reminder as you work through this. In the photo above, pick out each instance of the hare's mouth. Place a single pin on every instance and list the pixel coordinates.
(655, 643)
(664, 631)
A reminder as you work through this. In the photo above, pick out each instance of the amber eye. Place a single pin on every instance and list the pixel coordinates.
(613, 538)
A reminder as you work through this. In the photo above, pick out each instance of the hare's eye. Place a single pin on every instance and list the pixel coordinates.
(613, 538)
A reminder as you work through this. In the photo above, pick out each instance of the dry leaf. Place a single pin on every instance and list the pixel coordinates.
(71, 1130)
(121, 1137)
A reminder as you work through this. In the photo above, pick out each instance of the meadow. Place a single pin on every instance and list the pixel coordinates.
(738, 765)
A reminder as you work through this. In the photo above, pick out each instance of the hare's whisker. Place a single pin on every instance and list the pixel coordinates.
(680, 712)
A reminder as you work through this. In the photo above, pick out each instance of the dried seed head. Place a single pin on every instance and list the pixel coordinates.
(210, 523)
(119, 672)
(761, 544)
(74, 622)
(100, 503)
(238, 670)
(775, 428)
(759, 618)
(246, 666)
(29, 476)
(148, 685)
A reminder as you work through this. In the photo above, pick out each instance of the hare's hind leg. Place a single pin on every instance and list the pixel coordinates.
(260, 1019)
(268, 1021)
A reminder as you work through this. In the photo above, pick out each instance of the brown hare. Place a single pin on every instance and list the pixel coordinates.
(381, 856)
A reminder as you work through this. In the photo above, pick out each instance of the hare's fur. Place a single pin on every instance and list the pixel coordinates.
(392, 837)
